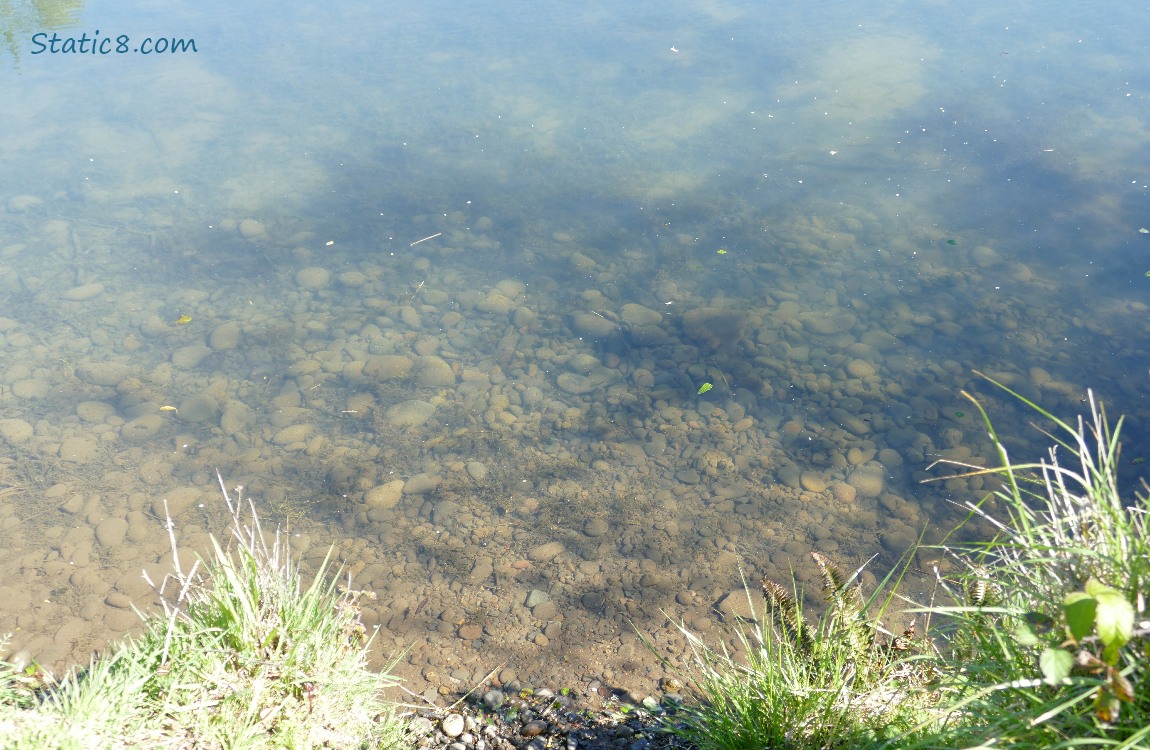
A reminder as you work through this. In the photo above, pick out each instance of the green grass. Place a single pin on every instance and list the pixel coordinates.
(245, 656)
(1044, 642)
(1048, 639)
(843, 681)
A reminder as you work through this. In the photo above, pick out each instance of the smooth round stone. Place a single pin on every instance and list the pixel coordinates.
(225, 337)
(420, 484)
(110, 532)
(353, 279)
(297, 433)
(868, 479)
(843, 492)
(16, 431)
(857, 368)
(545, 552)
(411, 413)
(18, 204)
(574, 384)
(476, 471)
(387, 367)
(31, 388)
(95, 411)
(812, 482)
(434, 372)
(592, 325)
(142, 428)
(452, 725)
(384, 496)
(596, 527)
(470, 631)
(79, 449)
(496, 304)
(251, 229)
(583, 363)
(86, 291)
(199, 409)
(105, 374)
(535, 597)
(313, 277)
(637, 315)
(190, 357)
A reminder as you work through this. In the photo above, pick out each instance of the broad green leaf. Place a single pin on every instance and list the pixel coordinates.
(1025, 634)
(1094, 587)
(1114, 620)
(1055, 663)
(1079, 608)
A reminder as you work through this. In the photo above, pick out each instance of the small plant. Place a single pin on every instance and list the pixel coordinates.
(1047, 644)
(244, 656)
(842, 681)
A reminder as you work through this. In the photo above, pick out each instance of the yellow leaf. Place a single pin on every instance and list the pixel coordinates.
(183, 320)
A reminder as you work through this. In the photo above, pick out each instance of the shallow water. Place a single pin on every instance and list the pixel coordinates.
(579, 308)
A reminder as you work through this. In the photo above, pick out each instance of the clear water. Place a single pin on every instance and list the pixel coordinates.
(660, 293)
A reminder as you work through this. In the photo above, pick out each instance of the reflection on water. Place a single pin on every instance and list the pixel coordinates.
(548, 357)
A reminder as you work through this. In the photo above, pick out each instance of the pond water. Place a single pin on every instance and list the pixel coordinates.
(554, 317)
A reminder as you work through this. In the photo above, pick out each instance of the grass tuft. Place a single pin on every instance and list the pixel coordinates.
(244, 656)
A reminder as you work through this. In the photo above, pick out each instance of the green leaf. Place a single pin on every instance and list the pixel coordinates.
(1055, 663)
(1079, 608)
(1094, 587)
(1115, 620)
(1025, 634)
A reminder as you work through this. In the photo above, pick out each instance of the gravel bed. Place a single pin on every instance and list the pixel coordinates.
(520, 718)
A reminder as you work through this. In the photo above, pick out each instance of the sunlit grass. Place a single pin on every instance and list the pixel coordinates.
(244, 656)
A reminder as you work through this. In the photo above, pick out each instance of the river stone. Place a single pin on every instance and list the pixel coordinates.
(868, 479)
(476, 471)
(103, 373)
(545, 552)
(574, 384)
(313, 277)
(297, 433)
(387, 367)
(141, 428)
(411, 413)
(596, 527)
(225, 337)
(496, 304)
(592, 325)
(110, 532)
(95, 411)
(251, 229)
(31, 388)
(434, 372)
(812, 482)
(16, 431)
(843, 492)
(857, 368)
(637, 315)
(190, 357)
(79, 449)
(452, 725)
(384, 496)
(420, 484)
(83, 292)
(199, 409)
(536, 597)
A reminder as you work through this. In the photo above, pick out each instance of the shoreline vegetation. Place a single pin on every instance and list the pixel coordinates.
(1039, 637)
